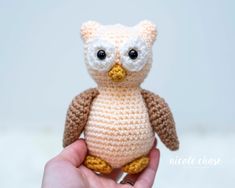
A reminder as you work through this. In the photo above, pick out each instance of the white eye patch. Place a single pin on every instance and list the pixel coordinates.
(100, 54)
(134, 54)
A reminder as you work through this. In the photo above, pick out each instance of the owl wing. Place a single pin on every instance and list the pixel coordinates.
(161, 119)
(77, 115)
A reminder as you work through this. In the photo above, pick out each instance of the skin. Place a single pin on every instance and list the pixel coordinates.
(66, 171)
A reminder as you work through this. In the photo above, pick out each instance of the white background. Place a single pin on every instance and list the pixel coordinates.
(42, 69)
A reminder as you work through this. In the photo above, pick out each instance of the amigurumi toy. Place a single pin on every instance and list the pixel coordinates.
(118, 117)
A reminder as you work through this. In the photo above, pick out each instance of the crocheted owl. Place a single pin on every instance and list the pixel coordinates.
(118, 117)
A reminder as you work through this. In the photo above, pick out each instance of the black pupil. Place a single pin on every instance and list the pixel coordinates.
(101, 54)
(133, 54)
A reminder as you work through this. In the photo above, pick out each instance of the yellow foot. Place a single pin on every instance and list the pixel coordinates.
(97, 164)
(136, 166)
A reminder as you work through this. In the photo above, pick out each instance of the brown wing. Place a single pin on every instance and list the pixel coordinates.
(161, 119)
(77, 115)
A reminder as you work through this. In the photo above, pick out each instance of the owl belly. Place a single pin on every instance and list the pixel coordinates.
(118, 128)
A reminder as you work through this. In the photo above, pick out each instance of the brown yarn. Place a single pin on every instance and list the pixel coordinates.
(161, 119)
(77, 115)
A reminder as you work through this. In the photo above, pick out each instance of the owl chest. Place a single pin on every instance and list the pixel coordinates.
(118, 128)
(118, 115)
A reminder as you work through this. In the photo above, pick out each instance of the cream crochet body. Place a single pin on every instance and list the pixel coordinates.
(119, 118)
(118, 129)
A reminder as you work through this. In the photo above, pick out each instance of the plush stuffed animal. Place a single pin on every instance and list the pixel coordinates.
(118, 117)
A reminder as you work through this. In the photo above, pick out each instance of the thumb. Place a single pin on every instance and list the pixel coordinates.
(74, 153)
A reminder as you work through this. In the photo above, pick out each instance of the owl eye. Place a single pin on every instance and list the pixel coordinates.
(134, 54)
(100, 54)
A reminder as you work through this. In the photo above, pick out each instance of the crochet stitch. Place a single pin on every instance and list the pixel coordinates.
(142, 50)
(118, 117)
(161, 119)
(93, 47)
(77, 115)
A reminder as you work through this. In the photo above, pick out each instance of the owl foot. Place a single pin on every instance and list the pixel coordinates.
(97, 164)
(136, 166)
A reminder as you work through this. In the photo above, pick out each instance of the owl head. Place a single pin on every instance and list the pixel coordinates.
(118, 55)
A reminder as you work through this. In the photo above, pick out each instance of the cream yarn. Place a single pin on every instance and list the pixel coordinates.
(118, 129)
(118, 117)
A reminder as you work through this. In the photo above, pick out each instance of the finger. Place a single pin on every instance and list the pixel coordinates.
(146, 179)
(131, 178)
(74, 153)
(114, 175)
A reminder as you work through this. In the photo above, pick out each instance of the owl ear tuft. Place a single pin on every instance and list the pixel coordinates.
(148, 31)
(88, 29)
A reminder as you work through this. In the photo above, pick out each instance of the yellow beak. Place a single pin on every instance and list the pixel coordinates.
(117, 73)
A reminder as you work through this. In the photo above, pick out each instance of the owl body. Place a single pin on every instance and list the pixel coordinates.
(118, 117)
(118, 128)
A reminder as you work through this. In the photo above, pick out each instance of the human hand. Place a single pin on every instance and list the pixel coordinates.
(67, 171)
